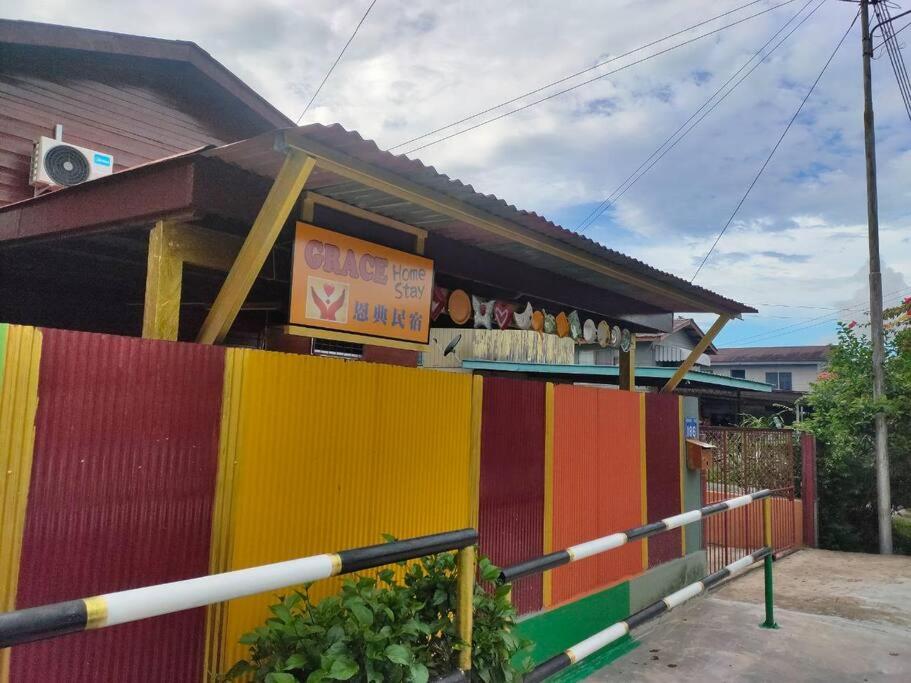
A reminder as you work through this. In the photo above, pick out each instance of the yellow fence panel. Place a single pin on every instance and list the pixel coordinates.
(326, 454)
(18, 404)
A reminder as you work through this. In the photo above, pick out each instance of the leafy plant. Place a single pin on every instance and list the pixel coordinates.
(381, 629)
(842, 411)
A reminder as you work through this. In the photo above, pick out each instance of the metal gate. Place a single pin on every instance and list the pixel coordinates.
(748, 460)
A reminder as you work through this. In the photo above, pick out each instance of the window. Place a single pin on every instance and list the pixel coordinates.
(337, 349)
(779, 380)
(738, 373)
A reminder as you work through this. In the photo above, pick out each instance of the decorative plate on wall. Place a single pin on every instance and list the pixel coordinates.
(562, 324)
(502, 313)
(589, 331)
(603, 333)
(615, 336)
(575, 325)
(523, 319)
(459, 307)
(550, 324)
(625, 338)
(483, 311)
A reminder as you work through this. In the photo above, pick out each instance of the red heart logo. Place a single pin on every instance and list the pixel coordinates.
(503, 313)
(328, 289)
(438, 304)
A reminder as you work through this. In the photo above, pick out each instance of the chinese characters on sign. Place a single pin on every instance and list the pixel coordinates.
(344, 283)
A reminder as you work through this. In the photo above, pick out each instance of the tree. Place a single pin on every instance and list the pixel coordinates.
(842, 420)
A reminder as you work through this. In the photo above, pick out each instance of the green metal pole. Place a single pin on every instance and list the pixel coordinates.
(767, 565)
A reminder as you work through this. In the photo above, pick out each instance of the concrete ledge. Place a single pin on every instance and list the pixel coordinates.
(657, 582)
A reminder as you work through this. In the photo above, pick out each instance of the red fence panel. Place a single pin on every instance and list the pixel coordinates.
(511, 515)
(121, 496)
(662, 458)
(597, 484)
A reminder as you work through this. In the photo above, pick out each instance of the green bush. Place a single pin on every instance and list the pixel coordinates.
(379, 629)
(901, 534)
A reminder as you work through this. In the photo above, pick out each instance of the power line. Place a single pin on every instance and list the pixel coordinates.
(633, 178)
(893, 35)
(811, 322)
(596, 78)
(573, 75)
(774, 149)
(895, 56)
(821, 308)
(335, 63)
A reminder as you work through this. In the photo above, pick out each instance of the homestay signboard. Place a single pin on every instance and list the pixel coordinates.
(344, 283)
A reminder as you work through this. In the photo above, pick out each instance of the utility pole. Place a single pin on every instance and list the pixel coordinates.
(883, 493)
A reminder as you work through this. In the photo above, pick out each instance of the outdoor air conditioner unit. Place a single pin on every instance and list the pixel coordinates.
(55, 163)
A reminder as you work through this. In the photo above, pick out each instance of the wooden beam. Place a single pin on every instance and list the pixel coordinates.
(170, 246)
(288, 185)
(358, 212)
(440, 203)
(628, 366)
(203, 248)
(697, 351)
(161, 315)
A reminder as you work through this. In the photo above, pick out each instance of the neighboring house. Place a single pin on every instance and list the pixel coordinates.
(662, 349)
(136, 99)
(786, 368)
(674, 347)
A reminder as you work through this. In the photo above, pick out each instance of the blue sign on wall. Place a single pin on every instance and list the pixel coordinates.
(691, 428)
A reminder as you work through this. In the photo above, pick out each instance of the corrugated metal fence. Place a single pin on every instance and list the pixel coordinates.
(132, 462)
(123, 474)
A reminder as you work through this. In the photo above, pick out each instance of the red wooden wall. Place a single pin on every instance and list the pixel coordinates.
(138, 110)
(121, 496)
(511, 506)
(662, 449)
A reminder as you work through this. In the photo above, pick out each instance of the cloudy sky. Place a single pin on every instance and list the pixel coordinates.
(797, 249)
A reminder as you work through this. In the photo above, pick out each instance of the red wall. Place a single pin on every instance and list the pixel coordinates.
(121, 496)
(662, 458)
(511, 516)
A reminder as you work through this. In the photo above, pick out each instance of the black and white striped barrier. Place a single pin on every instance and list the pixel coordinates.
(100, 611)
(605, 543)
(580, 651)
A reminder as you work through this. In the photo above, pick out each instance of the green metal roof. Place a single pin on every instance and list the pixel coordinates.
(705, 378)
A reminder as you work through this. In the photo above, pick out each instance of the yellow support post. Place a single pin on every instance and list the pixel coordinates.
(170, 246)
(628, 366)
(466, 562)
(161, 314)
(697, 351)
(286, 189)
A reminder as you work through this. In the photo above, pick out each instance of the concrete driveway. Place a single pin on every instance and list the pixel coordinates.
(843, 617)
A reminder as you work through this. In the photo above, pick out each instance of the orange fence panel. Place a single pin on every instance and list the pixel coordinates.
(596, 484)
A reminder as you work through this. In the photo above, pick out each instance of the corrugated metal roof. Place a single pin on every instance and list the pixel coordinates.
(261, 155)
(772, 354)
(419, 195)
